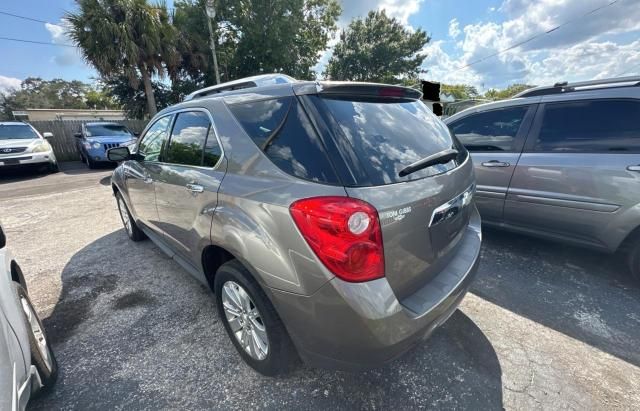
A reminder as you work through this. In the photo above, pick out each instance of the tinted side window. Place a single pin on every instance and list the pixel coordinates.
(494, 130)
(187, 138)
(154, 139)
(282, 130)
(590, 126)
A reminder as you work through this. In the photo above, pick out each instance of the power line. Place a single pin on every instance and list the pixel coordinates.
(535, 36)
(36, 42)
(24, 17)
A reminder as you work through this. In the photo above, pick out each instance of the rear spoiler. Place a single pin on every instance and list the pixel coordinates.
(359, 89)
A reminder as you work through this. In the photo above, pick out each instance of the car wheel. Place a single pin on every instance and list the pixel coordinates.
(251, 321)
(42, 356)
(133, 231)
(53, 168)
(90, 163)
(633, 258)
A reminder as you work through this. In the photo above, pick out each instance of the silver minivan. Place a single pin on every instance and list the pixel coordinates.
(333, 221)
(562, 163)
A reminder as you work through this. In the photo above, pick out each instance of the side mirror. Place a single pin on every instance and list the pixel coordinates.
(137, 134)
(119, 154)
(47, 134)
(77, 135)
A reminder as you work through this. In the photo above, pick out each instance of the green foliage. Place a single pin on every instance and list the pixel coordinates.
(57, 93)
(126, 37)
(506, 93)
(254, 37)
(377, 48)
(100, 100)
(460, 91)
(133, 101)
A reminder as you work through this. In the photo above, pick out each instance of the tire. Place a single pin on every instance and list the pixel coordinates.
(280, 356)
(42, 356)
(53, 168)
(90, 163)
(633, 258)
(130, 227)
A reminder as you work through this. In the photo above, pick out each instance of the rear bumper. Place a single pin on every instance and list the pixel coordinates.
(356, 326)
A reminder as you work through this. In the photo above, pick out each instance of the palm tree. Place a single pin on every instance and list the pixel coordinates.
(126, 37)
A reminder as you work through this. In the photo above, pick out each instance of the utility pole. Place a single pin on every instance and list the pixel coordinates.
(211, 14)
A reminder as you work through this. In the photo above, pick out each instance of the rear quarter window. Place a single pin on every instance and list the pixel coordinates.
(282, 130)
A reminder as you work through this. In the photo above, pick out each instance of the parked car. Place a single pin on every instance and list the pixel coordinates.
(94, 139)
(333, 221)
(27, 363)
(22, 146)
(561, 163)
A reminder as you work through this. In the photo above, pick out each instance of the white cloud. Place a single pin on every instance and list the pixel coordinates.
(588, 47)
(66, 56)
(454, 28)
(9, 83)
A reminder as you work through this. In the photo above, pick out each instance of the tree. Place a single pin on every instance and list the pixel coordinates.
(506, 93)
(35, 92)
(134, 101)
(460, 91)
(128, 38)
(254, 37)
(379, 49)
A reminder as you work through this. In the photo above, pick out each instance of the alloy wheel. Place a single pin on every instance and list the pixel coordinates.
(124, 214)
(38, 333)
(245, 320)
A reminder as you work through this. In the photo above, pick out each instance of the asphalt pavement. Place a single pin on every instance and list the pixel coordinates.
(546, 326)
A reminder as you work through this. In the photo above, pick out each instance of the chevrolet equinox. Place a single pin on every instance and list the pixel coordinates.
(333, 221)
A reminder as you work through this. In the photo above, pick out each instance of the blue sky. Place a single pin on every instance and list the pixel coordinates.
(603, 44)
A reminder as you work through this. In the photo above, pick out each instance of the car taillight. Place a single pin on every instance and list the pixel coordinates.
(344, 233)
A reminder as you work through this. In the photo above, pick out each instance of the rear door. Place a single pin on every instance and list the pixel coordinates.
(187, 185)
(579, 171)
(495, 139)
(376, 138)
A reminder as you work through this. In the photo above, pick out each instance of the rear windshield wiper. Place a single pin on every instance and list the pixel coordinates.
(437, 158)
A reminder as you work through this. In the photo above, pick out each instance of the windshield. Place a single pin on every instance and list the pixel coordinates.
(106, 130)
(16, 132)
(388, 135)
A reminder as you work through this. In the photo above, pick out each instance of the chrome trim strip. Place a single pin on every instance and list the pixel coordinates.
(460, 201)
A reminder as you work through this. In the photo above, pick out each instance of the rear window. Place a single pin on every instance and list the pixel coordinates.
(282, 130)
(385, 136)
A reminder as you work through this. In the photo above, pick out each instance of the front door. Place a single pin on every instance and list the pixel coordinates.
(579, 172)
(140, 174)
(187, 186)
(495, 139)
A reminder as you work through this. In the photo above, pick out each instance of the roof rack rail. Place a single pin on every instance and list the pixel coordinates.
(566, 87)
(247, 82)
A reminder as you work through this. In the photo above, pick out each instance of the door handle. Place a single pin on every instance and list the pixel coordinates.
(495, 163)
(634, 168)
(195, 188)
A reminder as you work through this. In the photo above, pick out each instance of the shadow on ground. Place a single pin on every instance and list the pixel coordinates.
(584, 294)
(132, 330)
(30, 172)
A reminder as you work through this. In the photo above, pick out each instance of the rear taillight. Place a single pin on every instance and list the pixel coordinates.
(345, 235)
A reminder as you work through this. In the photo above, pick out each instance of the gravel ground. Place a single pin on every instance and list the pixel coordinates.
(545, 327)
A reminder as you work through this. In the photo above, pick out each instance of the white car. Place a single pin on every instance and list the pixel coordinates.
(27, 363)
(22, 145)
